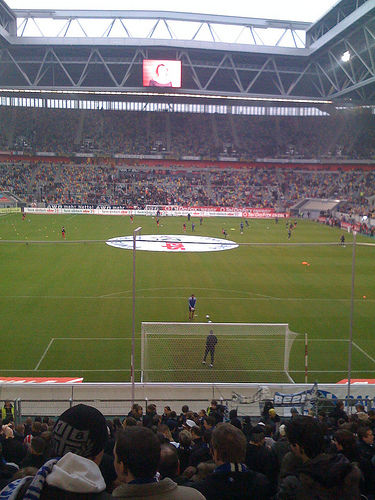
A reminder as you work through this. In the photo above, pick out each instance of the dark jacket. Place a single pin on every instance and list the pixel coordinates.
(6, 473)
(326, 477)
(184, 453)
(32, 460)
(52, 493)
(366, 454)
(280, 448)
(338, 413)
(235, 486)
(13, 450)
(199, 452)
(261, 459)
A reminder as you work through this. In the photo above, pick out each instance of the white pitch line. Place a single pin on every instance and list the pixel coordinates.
(364, 352)
(57, 370)
(187, 288)
(143, 297)
(322, 340)
(93, 338)
(251, 371)
(138, 370)
(44, 354)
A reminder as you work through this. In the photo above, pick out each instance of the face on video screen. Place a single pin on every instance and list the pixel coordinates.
(161, 73)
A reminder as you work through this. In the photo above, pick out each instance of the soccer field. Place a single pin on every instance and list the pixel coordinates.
(66, 308)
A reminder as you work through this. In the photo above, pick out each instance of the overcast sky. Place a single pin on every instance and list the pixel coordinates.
(299, 10)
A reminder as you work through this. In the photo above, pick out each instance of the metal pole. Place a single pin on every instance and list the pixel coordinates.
(306, 359)
(351, 317)
(132, 368)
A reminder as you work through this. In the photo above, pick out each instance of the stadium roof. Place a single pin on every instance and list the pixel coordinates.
(221, 55)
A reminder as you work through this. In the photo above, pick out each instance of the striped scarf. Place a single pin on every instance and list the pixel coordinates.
(34, 490)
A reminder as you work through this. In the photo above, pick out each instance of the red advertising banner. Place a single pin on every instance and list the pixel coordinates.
(40, 380)
(357, 381)
(249, 210)
(353, 227)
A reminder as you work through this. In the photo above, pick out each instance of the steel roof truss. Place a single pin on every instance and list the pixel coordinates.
(352, 49)
(171, 34)
(301, 75)
(342, 67)
(265, 64)
(63, 67)
(368, 33)
(131, 66)
(23, 73)
(111, 75)
(42, 69)
(236, 77)
(279, 83)
(85, 69)
(324, 72)
(214, 73)
(195, 76)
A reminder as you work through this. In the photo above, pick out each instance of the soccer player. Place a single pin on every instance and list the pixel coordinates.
(63, 232)
(184, 227)
(157, 222)
(192, 303)
(132, 219)
(342, 240)
(241, 227)
(211, 342)
(193, 227)
(200, 221)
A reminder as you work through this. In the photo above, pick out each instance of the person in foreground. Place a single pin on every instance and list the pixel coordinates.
(79, 437)
(314, 474)
(137, 456)
(231, 479)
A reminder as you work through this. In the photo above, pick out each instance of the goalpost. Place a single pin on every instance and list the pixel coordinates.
(245, 352)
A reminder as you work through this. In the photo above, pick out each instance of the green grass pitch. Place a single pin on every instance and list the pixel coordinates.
(66, 309)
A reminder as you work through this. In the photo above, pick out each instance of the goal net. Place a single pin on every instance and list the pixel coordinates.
(244, 352)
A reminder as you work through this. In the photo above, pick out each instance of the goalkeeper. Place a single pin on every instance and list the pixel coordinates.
(211, 342)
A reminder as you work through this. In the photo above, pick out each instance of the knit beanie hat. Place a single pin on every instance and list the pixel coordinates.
(82, 430)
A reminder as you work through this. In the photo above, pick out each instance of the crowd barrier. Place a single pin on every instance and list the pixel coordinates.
(115, 399)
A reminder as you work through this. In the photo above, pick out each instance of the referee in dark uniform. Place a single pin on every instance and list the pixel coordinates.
(211, 342)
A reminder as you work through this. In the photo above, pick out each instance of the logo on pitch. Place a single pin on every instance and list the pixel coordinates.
(173, 243)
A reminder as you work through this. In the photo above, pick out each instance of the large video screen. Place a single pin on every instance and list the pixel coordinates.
(161, 73)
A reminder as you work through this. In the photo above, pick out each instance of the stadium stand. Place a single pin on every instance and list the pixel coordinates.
(137, 186)
(332, 453)
(344, 134)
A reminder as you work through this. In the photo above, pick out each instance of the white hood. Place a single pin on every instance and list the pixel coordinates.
(76, 474)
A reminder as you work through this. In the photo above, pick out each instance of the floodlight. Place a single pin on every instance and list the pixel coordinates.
(346, 56)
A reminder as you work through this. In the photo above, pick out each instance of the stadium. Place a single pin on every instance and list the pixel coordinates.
(170, 176)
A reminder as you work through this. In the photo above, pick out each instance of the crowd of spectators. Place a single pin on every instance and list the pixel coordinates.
(257, 187)
(210, 454)
(343, 134)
